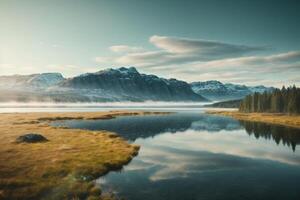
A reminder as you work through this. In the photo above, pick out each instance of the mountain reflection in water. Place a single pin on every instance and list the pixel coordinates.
(133, 127)
(194, 156)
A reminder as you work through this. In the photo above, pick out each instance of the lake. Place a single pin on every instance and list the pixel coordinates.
(12, 107)
(194, 156)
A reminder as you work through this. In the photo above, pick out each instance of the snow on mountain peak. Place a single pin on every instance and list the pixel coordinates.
(216, 90)
(121, 70)
(45, 79)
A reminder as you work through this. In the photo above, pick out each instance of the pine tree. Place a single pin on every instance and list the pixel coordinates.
(286, 100)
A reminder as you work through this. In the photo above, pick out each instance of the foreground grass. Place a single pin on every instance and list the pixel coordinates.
(271, 118)
(66, 165)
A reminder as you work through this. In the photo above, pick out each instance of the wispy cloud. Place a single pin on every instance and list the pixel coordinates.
(287, 57)
(198, 59)
(277, 67)
(203, 47)
(125, 49)
(245, 68)
(173, 50)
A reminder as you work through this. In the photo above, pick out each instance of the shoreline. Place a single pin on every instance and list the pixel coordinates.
(64, 166)
(269, 118)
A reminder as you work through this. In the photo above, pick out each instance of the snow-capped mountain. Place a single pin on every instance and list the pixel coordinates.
(30, 81)
(217, 91)
(45, 80)
(122, 84)
(128, 84)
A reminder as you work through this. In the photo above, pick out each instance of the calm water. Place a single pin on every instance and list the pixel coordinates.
(192, 156)
(93, 107)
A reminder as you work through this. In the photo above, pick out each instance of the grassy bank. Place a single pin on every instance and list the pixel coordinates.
(66, 165)
(271, 118)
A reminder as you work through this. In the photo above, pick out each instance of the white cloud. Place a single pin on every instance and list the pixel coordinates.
(199, 60)
(287, 57)
(274, 70)
(190, 60)
(202, 47)
(173, 50)
(124, 49)
(191, 152)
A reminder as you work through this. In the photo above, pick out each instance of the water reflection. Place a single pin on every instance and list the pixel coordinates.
(196, 165)
(288, 136)
(195, 156)
(133, 127)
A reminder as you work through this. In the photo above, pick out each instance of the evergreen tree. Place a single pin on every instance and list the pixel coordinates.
(286, 100)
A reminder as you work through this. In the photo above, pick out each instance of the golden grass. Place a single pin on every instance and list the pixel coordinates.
(65, 166)
(270, 118)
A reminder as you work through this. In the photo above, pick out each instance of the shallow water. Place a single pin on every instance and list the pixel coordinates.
(192, 156)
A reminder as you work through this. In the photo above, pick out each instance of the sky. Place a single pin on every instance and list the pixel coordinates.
(239, 41)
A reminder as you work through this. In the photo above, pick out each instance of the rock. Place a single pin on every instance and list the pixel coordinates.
(31, 138)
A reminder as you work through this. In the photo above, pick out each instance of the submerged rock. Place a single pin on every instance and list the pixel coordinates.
(31, 138)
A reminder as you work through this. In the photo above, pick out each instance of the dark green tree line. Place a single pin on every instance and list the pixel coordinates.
(286, 100)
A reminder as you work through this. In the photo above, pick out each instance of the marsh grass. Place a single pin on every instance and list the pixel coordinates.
(271, 118)
(66, 165)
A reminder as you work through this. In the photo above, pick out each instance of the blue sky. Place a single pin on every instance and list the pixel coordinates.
(239, 41)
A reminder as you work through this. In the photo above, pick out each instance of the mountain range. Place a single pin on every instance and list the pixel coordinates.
(122, 84)
(217, 91)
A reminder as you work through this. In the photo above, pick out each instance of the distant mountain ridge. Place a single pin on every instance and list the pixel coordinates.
(121, 84)
(217, 91)
(32, 80)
